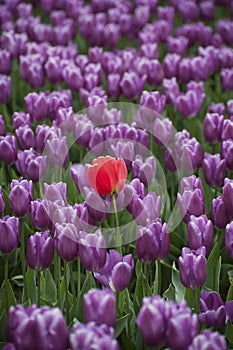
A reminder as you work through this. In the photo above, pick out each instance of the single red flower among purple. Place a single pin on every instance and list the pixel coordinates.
(107, 175)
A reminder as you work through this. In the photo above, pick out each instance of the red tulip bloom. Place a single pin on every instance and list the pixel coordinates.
(107, 175)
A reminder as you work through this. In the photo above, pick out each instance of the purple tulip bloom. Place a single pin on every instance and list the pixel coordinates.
(40, 214)
(219, 213)
(153, 242)
(200, 232)
(25, 137)
(57, 151)
(227, 196)
(213, 124)
(132, 85)
(20, 119)
(192, 265)
(20, 197)
(100, 307)
(214, 169)
(5, 88)
(9, 234)
(117, 271)
(40, 249)
(209, 340)
(144, 170)
(191, 202)
(55, 192)
(87, 336)
(25, 325)
(213, 311)
(227, 153)
(66, 241)
(92, 250)
(8, 150)
(31, 165)
(163, 131)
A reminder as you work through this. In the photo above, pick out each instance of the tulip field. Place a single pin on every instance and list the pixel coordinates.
(116, 164)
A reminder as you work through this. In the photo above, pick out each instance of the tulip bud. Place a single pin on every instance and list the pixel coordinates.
(36, 105)
(40, 250)
(100, 307)
(55, 192)
(132, 85)
(92, 250)
(214, 169)
(117, 271)
(219, 213)
(192, 265)
(143, 170)
(163, 131)
(213, 312)
(87, 336)
(5, 88)
(9, 234)
(39, 214)
(20, 197)
(227, 129)
(20, 119)
(227, 153)
(66, 241)
(8, 150)
(213, 124)
(200, 232)
(208, 339)
(229, 240)
(25, 136)
(42, 321)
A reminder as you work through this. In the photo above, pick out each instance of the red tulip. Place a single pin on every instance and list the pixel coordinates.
(107, 175)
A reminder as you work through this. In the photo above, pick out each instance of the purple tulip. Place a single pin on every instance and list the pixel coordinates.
(55, 192)
(53, 70)
(100, 307)
(213, 312)
(227, 196)
(214, 169)
(36, 105)
(176, 325)
(113, 81)
(2, 203)
(230, 107)
(92, 251)
(66, 241)
(219, 213)
(163, 131)
(31, 164)
(151, 107)
(200, 232)
(132, 85)
(78, 174)
(20, 119)
(227, 79)
(87, 336)
(171, 64)
(227, 153)
(155, 73)
(96, 205)
(191, 202)
(25, 137)
(57, 99)
(20, 197)
(73, 77)
(40, 214)
(8, 150)
(192, 265)
(170, 89)
(117, 271)
(57, 151)
(152, 242)
(177, 45)
(5, 62)
(229, 240)
(5, 88)
(189, 104)
(25, 325)
(9, 234)
(227, 129)
(9, 346)
(40, 250)
(208, 339)
(45, 133)
(144, 170)
(146, 209)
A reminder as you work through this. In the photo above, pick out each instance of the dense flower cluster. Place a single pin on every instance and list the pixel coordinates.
(116, 160)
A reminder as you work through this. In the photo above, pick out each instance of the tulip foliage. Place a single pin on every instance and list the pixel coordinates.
(116, 186)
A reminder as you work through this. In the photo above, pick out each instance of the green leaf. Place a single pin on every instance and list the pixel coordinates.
(10, 294)
(120, 325)
(213, 267)
(229, 332)
(179, 288)
(170, 293)
(126, 342)
(139, 340)
(49, 290)
(30, 281)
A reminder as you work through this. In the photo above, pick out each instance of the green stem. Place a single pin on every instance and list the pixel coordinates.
(118, 234)
(196, 296)
(6, 281)
(38, 288)
(23, 260)
(158, 280)
(66, 291)
(73, 288)
(78, 277)
(57, 276)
